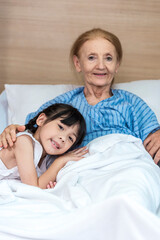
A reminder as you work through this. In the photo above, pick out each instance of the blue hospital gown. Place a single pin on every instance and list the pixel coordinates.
(123, 113)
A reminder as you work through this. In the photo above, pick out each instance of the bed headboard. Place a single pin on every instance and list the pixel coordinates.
(36, 36)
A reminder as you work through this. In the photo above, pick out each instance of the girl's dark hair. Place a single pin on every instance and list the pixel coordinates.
(70, 116)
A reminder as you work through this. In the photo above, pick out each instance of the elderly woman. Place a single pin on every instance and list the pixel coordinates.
(96, 55)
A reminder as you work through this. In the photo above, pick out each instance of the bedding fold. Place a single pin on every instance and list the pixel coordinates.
(113, 192)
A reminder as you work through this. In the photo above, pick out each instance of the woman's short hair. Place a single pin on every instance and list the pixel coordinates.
(92, 34)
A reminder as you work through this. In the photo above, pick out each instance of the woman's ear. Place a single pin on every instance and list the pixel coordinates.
(76, 63)
(41, 119)
(117, 66)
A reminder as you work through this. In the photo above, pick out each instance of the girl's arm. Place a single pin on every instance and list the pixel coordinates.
(24, 155)
(52, 171)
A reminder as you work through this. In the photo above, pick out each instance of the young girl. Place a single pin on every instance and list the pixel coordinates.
(54, 131)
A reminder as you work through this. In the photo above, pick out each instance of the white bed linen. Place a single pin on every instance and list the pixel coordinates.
(112, 194)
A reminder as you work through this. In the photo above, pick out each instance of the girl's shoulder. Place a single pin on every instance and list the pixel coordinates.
(26, 136)
(25, 133)
(29, 135)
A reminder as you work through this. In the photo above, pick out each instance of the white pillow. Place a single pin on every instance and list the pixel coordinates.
(3, 111)
(23, 99)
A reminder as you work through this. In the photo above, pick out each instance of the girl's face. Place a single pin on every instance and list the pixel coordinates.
(98, 62)
(55, 137)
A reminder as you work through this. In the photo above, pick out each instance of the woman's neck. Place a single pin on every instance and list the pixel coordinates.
(95, 95)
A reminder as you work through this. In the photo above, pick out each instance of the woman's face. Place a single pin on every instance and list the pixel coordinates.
(98, 62)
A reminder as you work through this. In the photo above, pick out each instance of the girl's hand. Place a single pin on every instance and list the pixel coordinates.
(75, 155)
(48, 178)
(51, 185)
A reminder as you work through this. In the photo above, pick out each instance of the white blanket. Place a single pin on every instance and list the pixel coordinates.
(113, 193)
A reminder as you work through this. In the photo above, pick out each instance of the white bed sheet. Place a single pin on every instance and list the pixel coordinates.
(107, 195)
(84, 205)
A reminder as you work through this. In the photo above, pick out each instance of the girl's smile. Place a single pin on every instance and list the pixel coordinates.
(55, 144)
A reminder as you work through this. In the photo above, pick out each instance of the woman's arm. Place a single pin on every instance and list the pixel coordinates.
(152, 145)
(146, 127)
(8, 136)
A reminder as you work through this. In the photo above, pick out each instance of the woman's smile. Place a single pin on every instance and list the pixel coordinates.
(100, 74)
(97, 61)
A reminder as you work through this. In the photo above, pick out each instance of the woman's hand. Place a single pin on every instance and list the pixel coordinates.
(8, 136)
(152, 145)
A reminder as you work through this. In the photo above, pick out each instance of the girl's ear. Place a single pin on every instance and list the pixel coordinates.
(41, 119)
(76, 63)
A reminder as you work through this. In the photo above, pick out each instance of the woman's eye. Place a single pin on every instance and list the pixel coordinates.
(60, 127)
(109, 58)
(91, 58)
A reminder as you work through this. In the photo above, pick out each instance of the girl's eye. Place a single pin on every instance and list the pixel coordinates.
(60, 127)
(71, 139)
